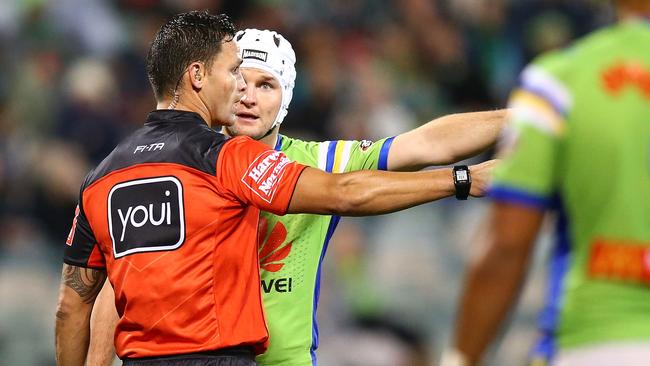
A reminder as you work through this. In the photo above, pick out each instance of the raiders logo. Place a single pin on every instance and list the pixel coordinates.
(365, 145)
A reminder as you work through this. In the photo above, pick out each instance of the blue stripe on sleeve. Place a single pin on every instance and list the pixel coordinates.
(331, 151)
(518, 196)
(383, 154)
(549, 317)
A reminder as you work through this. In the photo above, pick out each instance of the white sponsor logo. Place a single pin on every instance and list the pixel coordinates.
(150, 147)
(146, 215)
(256, 54)
(257, 172)
(272, 179)
(265, 173)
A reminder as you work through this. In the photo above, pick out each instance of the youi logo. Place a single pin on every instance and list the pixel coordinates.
(146, 215)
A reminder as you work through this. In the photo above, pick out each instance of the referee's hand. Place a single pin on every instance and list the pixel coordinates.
(481, 175)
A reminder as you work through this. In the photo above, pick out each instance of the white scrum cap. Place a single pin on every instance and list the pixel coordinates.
(270, 51)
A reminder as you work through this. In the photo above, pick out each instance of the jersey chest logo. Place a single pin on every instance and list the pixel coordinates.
(146, 215)
(272, 250)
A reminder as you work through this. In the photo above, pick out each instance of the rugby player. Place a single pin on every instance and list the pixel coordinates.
(580, 147)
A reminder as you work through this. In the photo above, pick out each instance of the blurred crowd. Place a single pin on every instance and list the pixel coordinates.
(73, 84)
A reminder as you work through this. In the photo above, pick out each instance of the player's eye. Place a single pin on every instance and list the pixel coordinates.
(266, 85)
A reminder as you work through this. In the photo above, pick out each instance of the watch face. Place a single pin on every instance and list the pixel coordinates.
(461, 175)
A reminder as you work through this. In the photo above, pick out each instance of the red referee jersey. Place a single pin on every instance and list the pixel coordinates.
(172, 215)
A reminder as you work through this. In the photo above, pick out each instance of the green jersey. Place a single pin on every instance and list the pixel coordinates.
(292, 248)
(579, 143)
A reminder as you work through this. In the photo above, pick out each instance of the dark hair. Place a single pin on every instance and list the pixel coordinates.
(185, 38)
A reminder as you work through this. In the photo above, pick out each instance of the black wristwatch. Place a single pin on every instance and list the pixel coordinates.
(462, 181)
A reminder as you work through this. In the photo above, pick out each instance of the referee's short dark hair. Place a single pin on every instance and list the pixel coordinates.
(185, 38)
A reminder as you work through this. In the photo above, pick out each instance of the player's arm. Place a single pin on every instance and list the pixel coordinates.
(446, 140)
(102, 328)
(495, 276)
(77, 294)
(377, 192)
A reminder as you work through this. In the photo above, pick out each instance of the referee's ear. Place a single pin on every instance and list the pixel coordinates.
(196, 72)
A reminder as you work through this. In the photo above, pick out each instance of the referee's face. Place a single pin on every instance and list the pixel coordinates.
(225, 85)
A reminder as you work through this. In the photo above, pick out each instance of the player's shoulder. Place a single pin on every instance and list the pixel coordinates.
(195, 146)
(619, 35)
(556, 63)
(287, 143)
(563, 62)
(601, 43)
(302, 151)
(242, 149)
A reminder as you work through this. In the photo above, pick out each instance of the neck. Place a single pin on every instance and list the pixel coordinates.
(187, 104)
(271, 139)
(631, 9)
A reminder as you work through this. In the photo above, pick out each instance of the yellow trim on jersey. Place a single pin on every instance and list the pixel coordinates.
(341, 156)
(531, 108)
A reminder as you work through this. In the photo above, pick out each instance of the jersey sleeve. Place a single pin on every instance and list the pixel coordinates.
(81, 247)
(342, 156)
(530, 145)
(257, 175)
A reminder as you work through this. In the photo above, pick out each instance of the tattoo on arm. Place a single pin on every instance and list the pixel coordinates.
(87, 282)
(61, 315)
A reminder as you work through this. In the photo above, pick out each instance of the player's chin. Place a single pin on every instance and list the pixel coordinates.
(228, 121)
(247, 130)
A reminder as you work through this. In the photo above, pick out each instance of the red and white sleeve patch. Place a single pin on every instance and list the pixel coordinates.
(263, 176)
(73, 228)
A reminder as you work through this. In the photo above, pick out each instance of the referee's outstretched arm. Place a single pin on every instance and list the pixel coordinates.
(370, 192)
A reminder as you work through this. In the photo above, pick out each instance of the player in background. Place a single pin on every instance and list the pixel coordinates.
(292, 247)
(171, 215)
(578, 145)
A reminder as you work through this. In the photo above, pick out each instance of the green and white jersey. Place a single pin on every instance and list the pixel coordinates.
(579, 143)
(292, 248)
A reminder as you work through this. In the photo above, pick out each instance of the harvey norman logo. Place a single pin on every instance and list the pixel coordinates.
(254, 54)
(263, 176)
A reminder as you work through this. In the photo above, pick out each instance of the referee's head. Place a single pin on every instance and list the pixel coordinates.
(185, 38)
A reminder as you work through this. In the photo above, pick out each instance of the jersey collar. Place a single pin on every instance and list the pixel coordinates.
(166, 115)
(278, 143)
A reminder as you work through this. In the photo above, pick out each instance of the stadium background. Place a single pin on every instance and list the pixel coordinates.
(73, 83)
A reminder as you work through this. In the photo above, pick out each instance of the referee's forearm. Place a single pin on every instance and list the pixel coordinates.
(77, 293)
(376, 192)
(367, 192)
(72, 335)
